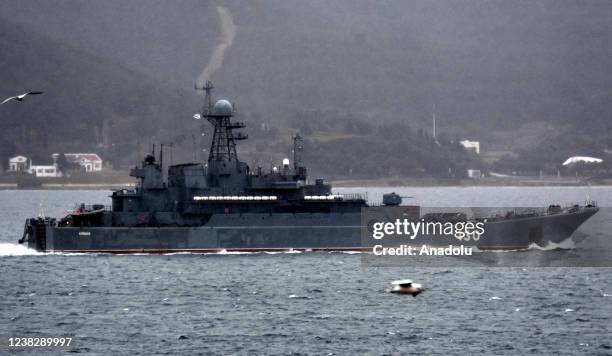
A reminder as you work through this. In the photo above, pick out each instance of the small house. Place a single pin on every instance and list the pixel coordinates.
(18, 164)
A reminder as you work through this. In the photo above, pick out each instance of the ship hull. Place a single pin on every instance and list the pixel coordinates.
(539, 230)
(279, 232)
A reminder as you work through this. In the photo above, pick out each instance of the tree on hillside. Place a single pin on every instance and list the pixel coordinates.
(64, 166)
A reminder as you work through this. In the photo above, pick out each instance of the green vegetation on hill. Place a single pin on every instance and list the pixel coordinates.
(90, 104)
(358, 79)
(351, 146)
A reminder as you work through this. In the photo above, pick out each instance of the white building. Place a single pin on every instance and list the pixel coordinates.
(471, 145)
(581, 159)
(91, 162)
(474, 173)
(18, 164)
(45, 171)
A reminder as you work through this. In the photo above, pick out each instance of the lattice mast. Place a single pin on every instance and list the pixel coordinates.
(223, 145)
(298, 147)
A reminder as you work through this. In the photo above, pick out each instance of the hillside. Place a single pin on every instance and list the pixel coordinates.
(488, 66)
(517, 76)
(90, 103)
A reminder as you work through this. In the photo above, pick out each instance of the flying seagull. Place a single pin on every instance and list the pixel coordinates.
(20, 97)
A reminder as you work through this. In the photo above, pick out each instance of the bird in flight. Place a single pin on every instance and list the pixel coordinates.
(20, 97)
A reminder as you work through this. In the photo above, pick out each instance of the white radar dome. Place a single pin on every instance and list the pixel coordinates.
(286, 162)
(223, 108)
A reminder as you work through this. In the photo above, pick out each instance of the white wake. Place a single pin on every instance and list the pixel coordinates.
(566, 244)
(9, 249)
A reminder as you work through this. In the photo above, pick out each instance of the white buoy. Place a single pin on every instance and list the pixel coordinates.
(406, 286)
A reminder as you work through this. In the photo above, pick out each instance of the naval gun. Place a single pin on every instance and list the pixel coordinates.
(394, 199)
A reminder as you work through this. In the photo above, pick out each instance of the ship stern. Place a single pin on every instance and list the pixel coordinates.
(37, 232)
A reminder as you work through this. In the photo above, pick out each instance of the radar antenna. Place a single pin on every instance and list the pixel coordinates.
(223, 145)
(206, 111)
(298, 148)
(297, 151)
(207, 89)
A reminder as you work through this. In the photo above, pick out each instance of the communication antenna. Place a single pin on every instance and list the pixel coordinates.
(171, 153)
(41, 210)
(434, 120)
(588, 197)
(161, 156)
(207, 89)
(206, 110)
(298, 147)
(434, 125)
(195, 147)
(138, 157)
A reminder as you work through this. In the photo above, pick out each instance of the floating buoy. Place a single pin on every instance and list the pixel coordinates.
(405, 286)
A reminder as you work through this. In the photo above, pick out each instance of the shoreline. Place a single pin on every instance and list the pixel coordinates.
(69, 186)
(468, 183)
(336, 184)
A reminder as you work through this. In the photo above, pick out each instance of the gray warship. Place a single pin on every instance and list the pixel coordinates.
(223, 205)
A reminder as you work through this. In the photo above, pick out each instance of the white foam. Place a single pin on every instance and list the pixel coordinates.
(289, 251)
(226, 252)
(75, 253)
(566, 244)
(494, 298)
(569, 310)
(9, 249)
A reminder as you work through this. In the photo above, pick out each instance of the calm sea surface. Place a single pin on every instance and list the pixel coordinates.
(300, 303)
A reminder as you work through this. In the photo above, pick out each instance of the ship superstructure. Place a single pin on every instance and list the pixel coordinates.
(193, 192)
